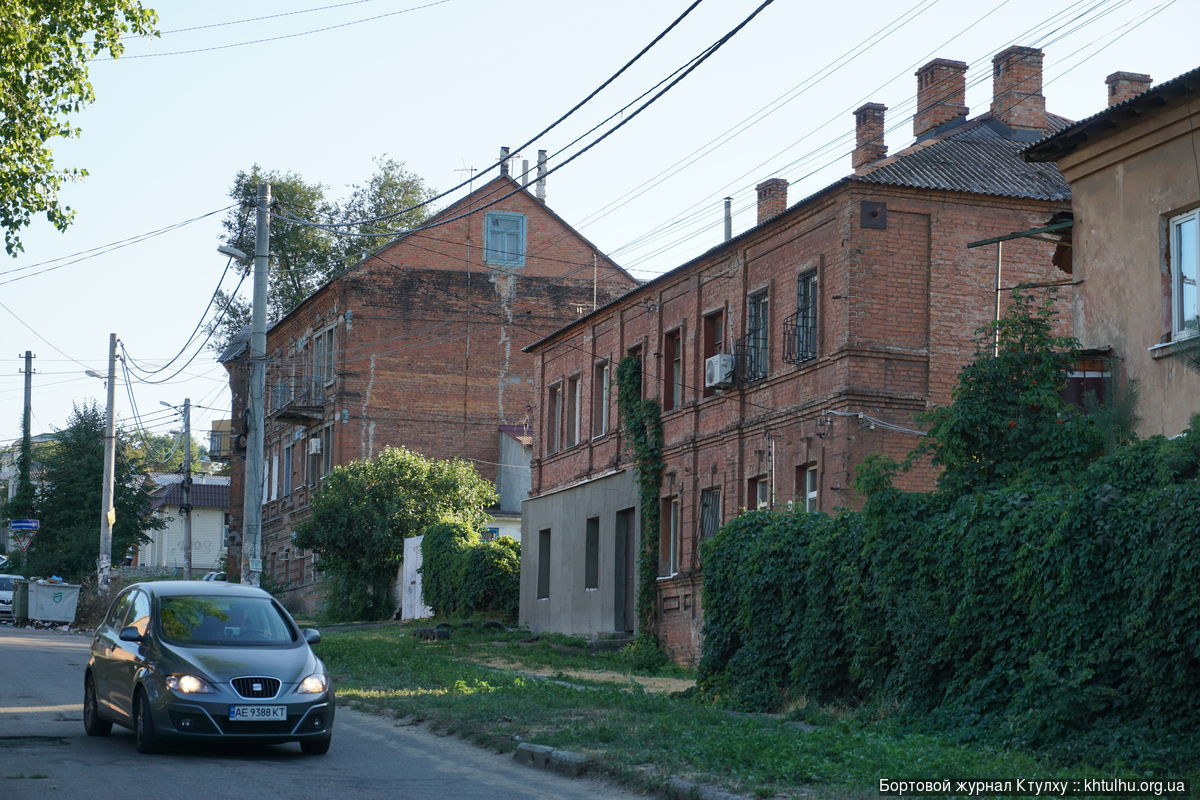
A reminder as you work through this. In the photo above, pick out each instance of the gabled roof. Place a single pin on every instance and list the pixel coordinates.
(1067, 140)
(204, 495)
(979, 156)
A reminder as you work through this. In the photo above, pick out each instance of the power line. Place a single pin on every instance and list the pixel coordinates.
(274, 38)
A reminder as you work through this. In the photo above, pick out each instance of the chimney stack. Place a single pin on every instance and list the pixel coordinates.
(1017, 99)
(941, 94)
(1124, 85)
(728, 218)
(504, 161)
(869, 146)
(540, 191)
(772, 198)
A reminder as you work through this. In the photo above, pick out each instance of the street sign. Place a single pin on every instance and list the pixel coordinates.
(23, 524)
(23, 539)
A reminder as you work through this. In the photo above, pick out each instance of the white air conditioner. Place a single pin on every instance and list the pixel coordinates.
(718, 371)
(314, 447)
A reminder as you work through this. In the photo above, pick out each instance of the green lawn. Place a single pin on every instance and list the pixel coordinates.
(592, 704)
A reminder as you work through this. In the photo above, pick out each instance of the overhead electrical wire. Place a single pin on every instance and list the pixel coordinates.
(281, 37)
(693, 65)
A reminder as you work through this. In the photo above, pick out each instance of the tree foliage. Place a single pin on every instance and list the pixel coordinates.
(365, 510)
(1040, 598)
(164, 453)
(69, 498)
(643, 430)
(462, 574)
(304, 257)
(1008, 418)
(47, 45)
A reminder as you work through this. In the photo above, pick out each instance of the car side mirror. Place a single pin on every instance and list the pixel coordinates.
(311, 635)
(130, 634)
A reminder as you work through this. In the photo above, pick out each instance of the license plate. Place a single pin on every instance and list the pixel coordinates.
(257, 713)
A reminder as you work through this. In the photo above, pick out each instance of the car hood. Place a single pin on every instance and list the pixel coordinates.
(220, 664)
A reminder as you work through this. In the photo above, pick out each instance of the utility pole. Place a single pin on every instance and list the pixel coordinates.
(252, 502)
(185, 507)
(108, 514)
(25, 467)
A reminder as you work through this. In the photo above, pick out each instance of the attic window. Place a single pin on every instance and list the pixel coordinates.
(504, 239)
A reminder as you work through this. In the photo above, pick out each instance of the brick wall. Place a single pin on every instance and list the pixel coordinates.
(427, 338)
(898, 307)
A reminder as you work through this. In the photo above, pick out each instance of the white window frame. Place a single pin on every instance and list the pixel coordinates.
(1182, 318)
(812, 488)
(671, 540)
(601, 389)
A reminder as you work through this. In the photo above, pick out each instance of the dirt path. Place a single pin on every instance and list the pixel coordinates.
(650, 684)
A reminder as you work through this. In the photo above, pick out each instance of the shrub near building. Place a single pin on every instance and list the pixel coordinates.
(1044, 602)
(462, 574)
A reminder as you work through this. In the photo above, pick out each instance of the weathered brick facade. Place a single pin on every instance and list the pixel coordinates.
(881, 259)
(420, 345)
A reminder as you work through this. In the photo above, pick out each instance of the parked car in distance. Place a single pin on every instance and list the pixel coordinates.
(213, 576)
(6, 595)
(180, 660)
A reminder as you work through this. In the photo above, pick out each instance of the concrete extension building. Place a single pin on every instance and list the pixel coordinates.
(786, 355)
(419, 345)
(1134, 170)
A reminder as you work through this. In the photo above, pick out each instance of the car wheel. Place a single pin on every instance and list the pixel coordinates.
(91, 711)
(315, 747)
(144, 737)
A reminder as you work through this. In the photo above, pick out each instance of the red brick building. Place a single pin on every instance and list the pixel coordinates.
(786, 355)
(419, 345)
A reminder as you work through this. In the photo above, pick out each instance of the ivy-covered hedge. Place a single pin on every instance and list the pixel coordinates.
(462, 574)
(1059, 615)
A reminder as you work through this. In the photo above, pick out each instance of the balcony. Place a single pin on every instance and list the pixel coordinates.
(750, 358)
(800, 336)
(221, 442)
(299, 400)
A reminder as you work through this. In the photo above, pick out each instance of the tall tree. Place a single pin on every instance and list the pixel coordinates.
(68, 500)
(47, 45)
(304, 257)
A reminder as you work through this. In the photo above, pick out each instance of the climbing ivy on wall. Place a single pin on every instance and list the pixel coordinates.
(643, 432)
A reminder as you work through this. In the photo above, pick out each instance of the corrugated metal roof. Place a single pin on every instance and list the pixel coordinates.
(978, 158)
(204, 495)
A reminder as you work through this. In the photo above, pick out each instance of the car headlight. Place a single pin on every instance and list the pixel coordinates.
(189, 684)
(313, 684)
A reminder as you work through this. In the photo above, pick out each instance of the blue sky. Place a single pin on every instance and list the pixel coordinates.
(442, 86)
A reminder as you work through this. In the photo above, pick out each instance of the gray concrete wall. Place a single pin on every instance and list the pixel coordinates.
(571, 608)
(513, 480)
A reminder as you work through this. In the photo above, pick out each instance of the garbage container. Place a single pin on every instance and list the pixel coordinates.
(20, 602)
(53, 602)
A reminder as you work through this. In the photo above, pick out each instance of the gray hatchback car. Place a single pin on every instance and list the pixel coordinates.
(178, 660)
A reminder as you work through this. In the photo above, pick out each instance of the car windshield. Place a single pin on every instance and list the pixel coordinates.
(5, 583)
(223, 621)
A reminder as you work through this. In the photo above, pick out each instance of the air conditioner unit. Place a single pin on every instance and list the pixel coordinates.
(314, 447)
(718, 371)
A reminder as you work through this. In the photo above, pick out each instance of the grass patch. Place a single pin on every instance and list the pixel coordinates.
(638, 736)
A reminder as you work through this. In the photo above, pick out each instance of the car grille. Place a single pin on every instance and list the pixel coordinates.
(256, 687)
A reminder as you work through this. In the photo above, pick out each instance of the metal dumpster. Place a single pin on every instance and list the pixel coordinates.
(20, 605)
(53, 602)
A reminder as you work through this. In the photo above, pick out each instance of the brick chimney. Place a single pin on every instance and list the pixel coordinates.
(1124, 85)
(869, 146)
(772, 198)
(941, 94)
(1017, 99)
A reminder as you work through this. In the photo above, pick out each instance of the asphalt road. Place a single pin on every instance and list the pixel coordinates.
(44, 752)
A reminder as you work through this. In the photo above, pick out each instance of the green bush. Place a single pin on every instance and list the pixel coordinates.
(1043, 597)
(1061, 617)
(461, 574)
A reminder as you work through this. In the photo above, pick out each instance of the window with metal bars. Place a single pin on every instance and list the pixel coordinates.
(800, 329)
